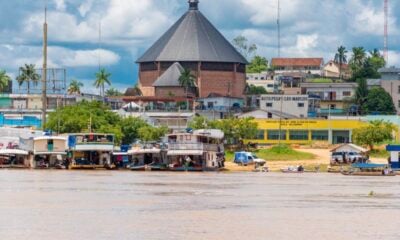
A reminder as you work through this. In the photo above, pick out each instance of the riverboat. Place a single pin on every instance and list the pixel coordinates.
(49, 152)
(194, 151)
(14, 158)
(148, 158)
(90, 151)
(369, 169)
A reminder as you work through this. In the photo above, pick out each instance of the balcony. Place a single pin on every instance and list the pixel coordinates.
(195, 146)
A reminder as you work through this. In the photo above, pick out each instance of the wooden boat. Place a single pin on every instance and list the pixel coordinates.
(186, 169)
(369, 174)
(290, 171)
(140, 168)
(369, 169)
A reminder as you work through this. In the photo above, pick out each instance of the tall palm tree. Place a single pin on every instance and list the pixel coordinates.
(4, 80)
(28, 74)
(75, 87)
(375, 53)
(358, 58)
(187, 80)
(102, 78)
(341, 58)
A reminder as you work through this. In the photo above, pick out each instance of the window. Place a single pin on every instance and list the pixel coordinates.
(270, 85)
(256, 78)
(260, 135)
(298, 135)
(269, 115)
(262, 78)
(269, 104)
(274, 135)
(300, 105)
(332, 106)
(346, 94)
(319, 135)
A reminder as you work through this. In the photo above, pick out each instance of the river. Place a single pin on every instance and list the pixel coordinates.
(130, 205)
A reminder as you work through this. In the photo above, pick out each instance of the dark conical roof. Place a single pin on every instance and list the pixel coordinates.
(192, 38)
(170, 78)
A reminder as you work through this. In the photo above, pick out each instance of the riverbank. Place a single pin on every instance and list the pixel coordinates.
(321, 158)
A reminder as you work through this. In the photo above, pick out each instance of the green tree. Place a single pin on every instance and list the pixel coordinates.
(4, 80)
(113, 92)
(199, 122)
(255, 90)
(187, 80)
(27, 75)
(102, 78)
(257, 65)
(246, 128)
(357, 61)
(75, 87)
(130, 128)
(341, 58)
(361, 93)
(379, 101)
(242, 46)
(149, 133)
(78, 118)
(376, 132)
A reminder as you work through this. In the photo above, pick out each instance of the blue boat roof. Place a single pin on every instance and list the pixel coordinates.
(368, 165)
(393, 148)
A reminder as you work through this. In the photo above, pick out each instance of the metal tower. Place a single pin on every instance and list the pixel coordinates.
(279, 28)
(386, 34)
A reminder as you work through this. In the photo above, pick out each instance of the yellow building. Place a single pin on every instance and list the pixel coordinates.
(304, 131)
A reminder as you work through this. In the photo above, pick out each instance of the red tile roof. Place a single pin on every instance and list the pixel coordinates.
(345, 66)
(297, 62)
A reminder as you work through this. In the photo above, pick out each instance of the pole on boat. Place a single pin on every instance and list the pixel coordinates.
(44, 70)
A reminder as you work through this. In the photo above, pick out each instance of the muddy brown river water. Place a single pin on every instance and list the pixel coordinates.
(129, 205)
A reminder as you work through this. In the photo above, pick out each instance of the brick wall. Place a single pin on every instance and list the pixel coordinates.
(165, 92)
(220, 82)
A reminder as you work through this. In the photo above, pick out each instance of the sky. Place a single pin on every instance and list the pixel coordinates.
(309, 28)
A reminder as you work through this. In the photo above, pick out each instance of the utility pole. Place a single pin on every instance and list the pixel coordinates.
(44, 70)
(386, 33)
(279, 28)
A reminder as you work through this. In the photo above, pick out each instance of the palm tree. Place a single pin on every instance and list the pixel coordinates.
(4, 80)
(341, 58)
(375, 53)
(28, 74)
(75, 87)
(113, 92)
(137, 90)
(102, 78)
(187, 80)
(358, 58)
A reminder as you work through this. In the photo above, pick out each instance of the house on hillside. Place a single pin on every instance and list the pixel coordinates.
(332, 70)
(304, 65)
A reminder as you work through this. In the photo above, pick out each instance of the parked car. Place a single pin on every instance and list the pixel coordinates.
(347, 157)
(245, 158)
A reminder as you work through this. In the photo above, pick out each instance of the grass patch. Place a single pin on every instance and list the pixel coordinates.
(276, 153)
(379, 154)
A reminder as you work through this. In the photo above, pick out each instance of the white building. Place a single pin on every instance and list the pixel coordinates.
(265, 80)
(298, 65)
(295, 105)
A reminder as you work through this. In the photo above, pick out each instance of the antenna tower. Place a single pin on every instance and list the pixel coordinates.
(279, 28)
(44, 73)
(386, 34)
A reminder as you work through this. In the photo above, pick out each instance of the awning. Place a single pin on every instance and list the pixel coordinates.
(50, 153)
(13, 152)
(144, 151)
(368, 165)
(185, 152)
(120, 153)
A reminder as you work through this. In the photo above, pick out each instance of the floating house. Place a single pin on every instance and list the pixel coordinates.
(49, 152)
(14, 158)
(90, 150)
(200, 150)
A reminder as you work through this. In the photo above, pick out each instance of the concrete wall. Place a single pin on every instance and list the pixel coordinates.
(42, 145)
(392, 87)
(296, 105)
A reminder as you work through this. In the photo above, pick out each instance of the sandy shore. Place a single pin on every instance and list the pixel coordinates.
(322, 159)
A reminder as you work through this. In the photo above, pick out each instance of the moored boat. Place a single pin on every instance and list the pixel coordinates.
(369, 169)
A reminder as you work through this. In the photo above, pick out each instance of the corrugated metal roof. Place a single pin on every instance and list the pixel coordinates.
(192, 38)
(170, 78)
(297, 62)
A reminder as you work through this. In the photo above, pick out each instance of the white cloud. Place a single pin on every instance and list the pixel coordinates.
(86, 58)
(60, 5)
(393, 59)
